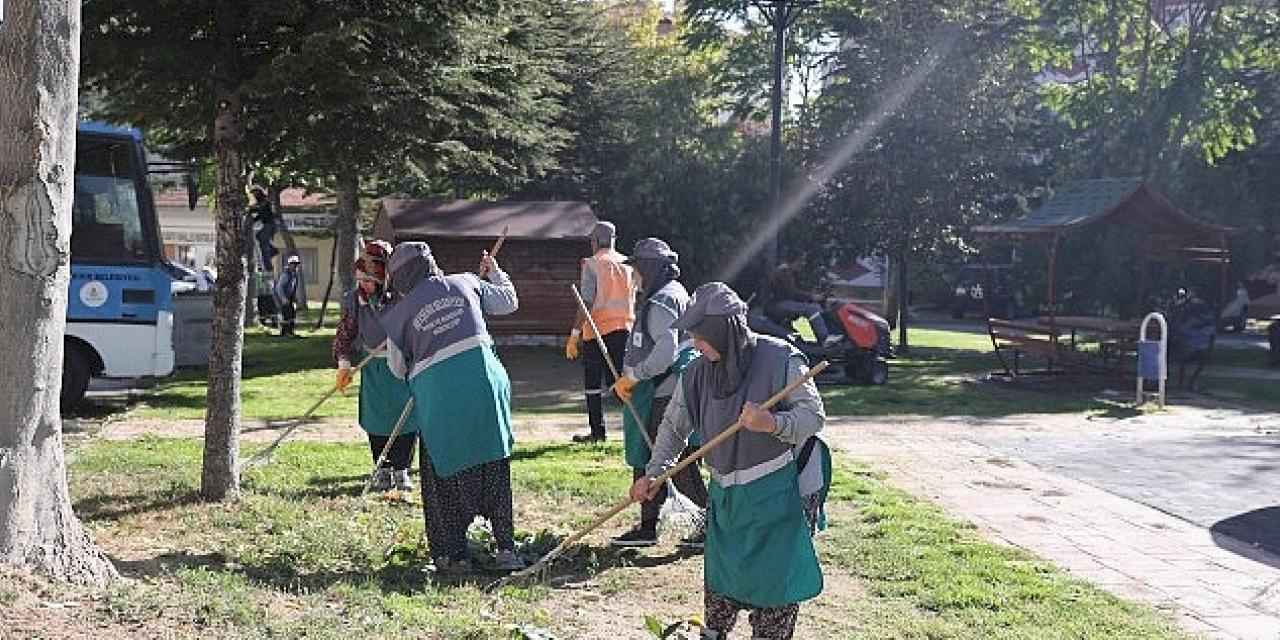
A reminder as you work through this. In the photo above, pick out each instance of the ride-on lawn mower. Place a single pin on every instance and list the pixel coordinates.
(860, 351)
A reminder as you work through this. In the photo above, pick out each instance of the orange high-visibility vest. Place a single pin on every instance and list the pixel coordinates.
(613, 307)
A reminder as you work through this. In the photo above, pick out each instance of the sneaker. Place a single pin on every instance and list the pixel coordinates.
(696, 540)
(588, 438)
(402, 480)
(640, 536)
(507, 560)
(382, 480)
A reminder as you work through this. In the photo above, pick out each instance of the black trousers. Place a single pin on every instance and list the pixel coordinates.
(596, 375)
(288, 313)
(400, 456)
(1273, 336)
(689, 482)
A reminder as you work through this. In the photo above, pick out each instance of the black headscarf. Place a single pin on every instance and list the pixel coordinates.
(655, 273)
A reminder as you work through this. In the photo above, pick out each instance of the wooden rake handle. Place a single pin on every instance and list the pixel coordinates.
(694, 457)
(493, 253)
(604, 349)
(261, 456)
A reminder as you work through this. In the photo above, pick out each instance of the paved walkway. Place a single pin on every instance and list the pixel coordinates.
(1210, 583)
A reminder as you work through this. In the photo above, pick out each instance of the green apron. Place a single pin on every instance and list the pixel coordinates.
(463, 406)
(382, 399)
(634, 445)
(758, 549)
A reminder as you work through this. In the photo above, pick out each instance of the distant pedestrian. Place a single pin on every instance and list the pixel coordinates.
(287, 295)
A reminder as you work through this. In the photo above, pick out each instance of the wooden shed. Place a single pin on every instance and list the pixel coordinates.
(545, 244)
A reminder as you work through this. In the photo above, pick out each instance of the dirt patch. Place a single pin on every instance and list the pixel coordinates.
(35, 608)
(663, 584)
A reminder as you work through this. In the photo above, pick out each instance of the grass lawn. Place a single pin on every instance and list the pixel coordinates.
(283, 377)
(301, 553)
(943, 375)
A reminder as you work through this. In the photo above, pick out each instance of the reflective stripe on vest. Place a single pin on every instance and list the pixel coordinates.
(613, 308)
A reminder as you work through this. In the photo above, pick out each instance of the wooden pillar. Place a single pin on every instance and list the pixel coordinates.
(1053, 275)
(1144, 276)
(1224, 264)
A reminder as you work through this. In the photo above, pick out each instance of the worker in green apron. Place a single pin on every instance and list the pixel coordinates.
(438, 340)
(768, 481)
(382, 395)
(656, 355)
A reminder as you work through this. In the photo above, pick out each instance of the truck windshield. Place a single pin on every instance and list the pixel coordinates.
(106, 220)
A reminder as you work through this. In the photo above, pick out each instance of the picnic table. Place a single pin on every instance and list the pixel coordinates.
(1067, 344)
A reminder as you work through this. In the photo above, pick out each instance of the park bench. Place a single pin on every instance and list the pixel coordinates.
(1014, 341)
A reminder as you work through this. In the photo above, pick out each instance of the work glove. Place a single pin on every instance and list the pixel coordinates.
(624, 386)
(572, 345)
(344, 379)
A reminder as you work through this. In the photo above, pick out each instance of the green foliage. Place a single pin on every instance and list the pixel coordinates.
(936, 127)
(654, 151)
(1158, 82)
(460, 91)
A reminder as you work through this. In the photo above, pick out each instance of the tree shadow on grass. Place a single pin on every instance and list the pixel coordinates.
(112, 508)
(411, 576)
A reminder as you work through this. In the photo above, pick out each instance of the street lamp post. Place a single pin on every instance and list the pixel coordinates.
(781, 15)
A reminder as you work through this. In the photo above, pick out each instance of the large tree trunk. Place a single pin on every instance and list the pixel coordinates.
(328, 289)
(220, 474)
(40, 63)
(348, 213)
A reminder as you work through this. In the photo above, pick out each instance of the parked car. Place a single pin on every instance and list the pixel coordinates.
(1235, 315)
(983, 289)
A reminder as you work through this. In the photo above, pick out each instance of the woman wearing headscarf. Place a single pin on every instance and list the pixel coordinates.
(657, 353)
(382, 394)
(768, 481)
(437, 339)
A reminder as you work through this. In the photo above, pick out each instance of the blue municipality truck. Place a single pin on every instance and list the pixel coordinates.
(121, 303)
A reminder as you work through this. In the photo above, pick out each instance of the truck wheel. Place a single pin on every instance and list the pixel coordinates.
(869, 370)
(878, 372)
(75, 376)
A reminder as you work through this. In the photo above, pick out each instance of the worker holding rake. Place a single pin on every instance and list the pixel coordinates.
(768, 480)
(656, 355)
(438, 341)
(382, 394)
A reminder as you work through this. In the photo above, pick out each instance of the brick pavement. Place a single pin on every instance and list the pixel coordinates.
(1210, 584)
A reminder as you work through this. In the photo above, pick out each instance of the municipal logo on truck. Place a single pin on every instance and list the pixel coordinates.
(93, 294)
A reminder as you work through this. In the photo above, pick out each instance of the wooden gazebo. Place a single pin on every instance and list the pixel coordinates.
(1170, 235)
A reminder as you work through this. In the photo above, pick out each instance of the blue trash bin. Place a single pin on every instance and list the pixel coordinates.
(1149, 359)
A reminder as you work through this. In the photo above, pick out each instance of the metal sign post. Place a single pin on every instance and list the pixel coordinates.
(1153, 358)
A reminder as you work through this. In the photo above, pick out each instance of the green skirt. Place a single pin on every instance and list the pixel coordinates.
(382, 400)
(633, 440)
(758, 548)
(463, 406)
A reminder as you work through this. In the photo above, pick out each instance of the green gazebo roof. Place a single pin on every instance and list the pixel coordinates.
(1125, 201)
